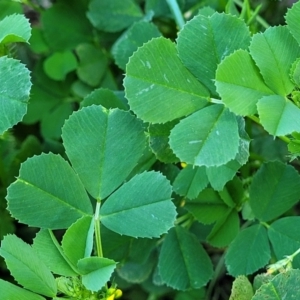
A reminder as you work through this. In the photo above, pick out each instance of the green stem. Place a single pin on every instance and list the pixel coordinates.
(176, 13)
(97, 230)
(183, 218)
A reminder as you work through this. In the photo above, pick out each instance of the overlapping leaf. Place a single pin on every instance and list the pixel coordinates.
(156, 78)
(103, 147)
(205, 41)
(208, 137)
(292, 20)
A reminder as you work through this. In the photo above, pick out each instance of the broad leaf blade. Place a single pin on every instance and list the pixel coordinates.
(56, 197)
(292, 20)
(275, 189)
(103, 147)
(95, 271)
(278, 115)
(240, 84)
(208, 137)
(155, 77)
(142, 207)
(26, 267)
(14, 93)
(274, 51)
(249, 251)
(183, 263)
(205, 41)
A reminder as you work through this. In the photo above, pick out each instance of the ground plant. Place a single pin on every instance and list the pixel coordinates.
(149, 150)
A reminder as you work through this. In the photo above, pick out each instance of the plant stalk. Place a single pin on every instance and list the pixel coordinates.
(176, 13)
(97, 230)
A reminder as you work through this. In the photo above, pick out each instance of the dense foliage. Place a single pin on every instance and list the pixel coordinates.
(150, 149)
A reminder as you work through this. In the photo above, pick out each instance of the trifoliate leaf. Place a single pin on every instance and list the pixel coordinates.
(240, 84)
(142, 207)
(95, 271)
(183, 263)
(205, 41)
(103, 147)
(113, 15)
(14, 93)
(14, 28)
(274, 51)
(48, 193)
(249, 251)
(26, 267)
(208, 137)
(278, 115)
(274, 189)
(156, 78)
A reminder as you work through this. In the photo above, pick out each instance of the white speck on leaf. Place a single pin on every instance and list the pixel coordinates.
(195, 142)
(148, 64)
(217, 132)
(166, 78)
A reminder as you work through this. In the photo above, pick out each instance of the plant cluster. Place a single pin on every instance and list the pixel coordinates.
(154, 183)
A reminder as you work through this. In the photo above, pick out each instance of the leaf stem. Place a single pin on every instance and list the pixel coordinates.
(176, 13)
(97, 230)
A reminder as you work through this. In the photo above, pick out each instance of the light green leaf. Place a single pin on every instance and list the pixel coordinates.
(274, 51)
(92, 64)
(14, 28)
(249, 251)
(138, 34)
(241, 289)
(295, 72)
(77, 242)
(278, 115)
(51, 254)
(142, 207)
(274, 189)
(59, 64)
(95, 271)
(26, 267)
(183, 263)
(292, 20)
(10, 291)
(208, 137)
(240, 84)
(103, 147)
(14, 93)
(205, 41)
(48, 193)
(190, 181)
(282, 286)
(113, 15)
(155, 77)
(285, 238)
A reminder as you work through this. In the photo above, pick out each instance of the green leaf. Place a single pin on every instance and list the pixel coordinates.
(295, 72)
(51, 254)
(278, 115)
(275, 189)
(113, 15)
(190, 181)
(105, 98)
(14, 28)
(249, 251)
(241, 289)
(240, 84)
(95, 271)
(103, 147)
(159, 141)
(8, 7)
(138, 34)
(11, 291)
(208, 137)
(59, 64)
(55, 196)
(142, 207)
(285, 238)
(274, 51)
(26, 267)
(183, 263)
(282, 286)
(92, 64)
(14, 93)
(155, 77)
(292, 20)
(77, 242)
(65, 25)
(205, 41)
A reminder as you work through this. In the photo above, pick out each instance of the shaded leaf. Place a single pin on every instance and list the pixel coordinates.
(241, 289)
